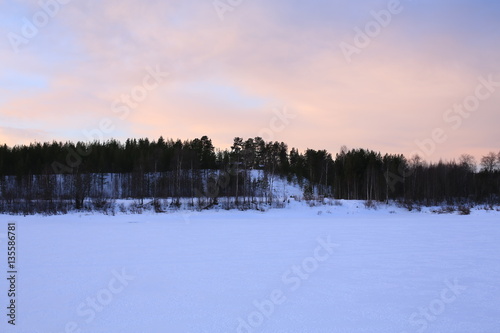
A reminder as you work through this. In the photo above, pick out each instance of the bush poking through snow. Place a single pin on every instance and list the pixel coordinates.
(370, 204)
(135, 208)
(308, 193)
(464, 210)
(122, 208)
(444, 210)
(409, 205)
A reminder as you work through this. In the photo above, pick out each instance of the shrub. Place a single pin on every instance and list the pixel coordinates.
(464, 210)
(122, 208)
(370, 204)
(308, 193)
(135, 208)
(444, 210)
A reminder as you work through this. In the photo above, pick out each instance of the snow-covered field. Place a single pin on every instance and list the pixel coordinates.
(346, 269)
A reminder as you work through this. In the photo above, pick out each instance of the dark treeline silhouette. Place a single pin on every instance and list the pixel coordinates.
(57, 177)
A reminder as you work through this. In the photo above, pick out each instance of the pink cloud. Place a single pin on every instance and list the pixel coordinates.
(386, 99)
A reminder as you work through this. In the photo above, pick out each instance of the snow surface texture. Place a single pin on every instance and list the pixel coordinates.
(298, 269)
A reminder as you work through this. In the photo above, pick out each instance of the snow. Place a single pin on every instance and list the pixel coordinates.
(299, 269)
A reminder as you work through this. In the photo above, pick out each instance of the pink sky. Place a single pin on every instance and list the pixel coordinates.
(230, 77)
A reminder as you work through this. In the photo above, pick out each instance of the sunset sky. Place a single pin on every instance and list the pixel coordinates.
(424, 71)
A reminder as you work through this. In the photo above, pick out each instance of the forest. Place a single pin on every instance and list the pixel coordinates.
(58, 177)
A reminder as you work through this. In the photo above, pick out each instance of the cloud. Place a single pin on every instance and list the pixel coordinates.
(228, 76)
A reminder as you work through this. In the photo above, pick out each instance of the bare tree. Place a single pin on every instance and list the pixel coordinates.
(490, 162)
(468, 162)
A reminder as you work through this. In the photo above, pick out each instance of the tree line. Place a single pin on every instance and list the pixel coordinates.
(58, 176)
